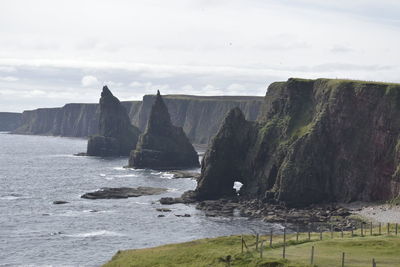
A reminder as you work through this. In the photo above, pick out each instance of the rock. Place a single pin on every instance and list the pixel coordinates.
(184, 215)
(184, 174)
(117, 136)
(161, 215)
(186, 198)
(163, 210)
(163, 146)
(316, 141)
(123, 192)
(58, 202)
(81, 154)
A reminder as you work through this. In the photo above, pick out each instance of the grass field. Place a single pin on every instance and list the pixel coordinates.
(226, 251)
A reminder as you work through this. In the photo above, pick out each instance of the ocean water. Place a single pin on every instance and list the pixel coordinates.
(37, 170)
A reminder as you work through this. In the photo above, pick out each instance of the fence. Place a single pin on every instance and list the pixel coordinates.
(338, 253)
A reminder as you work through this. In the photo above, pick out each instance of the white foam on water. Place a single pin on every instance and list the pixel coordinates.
(172, 189)
(119, 168)
(156, 173)
(126, 175)
(103, 175)
(141, 203)
(96, 233)
(167, 175)
(10, 198)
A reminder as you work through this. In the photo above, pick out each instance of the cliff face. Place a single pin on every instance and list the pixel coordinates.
(163, 145)
(315, 141)
(117, 137)
(200, 117)
(10, 121)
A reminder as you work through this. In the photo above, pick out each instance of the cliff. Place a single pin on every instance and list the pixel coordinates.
(163, 145)
(117, 137)
(200, 117)
(315, 141)
(10, 121)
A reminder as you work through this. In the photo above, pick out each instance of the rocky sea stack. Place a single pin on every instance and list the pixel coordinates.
(117, 136)
(316, 141)
(163, 146)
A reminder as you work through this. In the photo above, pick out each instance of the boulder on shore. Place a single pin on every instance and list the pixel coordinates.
(117, 136)
(163, 146)
(123, 192)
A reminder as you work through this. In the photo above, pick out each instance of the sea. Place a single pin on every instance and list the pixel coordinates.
(37, 170)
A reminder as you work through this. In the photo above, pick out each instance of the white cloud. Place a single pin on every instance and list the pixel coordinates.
(9, 79)
(89, 81)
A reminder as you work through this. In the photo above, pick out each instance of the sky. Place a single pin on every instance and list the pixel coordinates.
(57, 52)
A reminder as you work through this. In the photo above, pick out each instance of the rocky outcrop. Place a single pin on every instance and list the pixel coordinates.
(163, 145)
(200, 117)
(316, 141)
(117, 136)
(123, 192)
(9, 121)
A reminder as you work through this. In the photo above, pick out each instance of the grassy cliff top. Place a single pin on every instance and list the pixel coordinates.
(218, 251)
(339, 81)
(213, 98)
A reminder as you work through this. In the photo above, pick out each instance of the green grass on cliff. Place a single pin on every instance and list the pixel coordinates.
(359, 251)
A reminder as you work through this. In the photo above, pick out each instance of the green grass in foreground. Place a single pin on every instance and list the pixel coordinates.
(215, 252)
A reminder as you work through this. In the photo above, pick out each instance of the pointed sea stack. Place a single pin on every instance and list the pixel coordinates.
(117, 136)
(163, 146)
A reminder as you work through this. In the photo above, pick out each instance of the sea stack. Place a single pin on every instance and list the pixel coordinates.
(117, 136)
(163, 146)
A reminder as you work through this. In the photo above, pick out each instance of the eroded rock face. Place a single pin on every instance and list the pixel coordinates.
(117, 137)
(316, 141)
(163, 145)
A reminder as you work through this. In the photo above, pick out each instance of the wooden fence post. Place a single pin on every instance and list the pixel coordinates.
(242, 243)
(396, 227)
(284, 243)
(257, 238)
(352, 232)
(261, 249)
(362, 229)
(380, 228)
(312, 255)
(343, 259)
(331, 231)
(388, 228)
(309, 235)
(342, 232)
(373, 263)
(297, 234)
(320, 234)
(371, 228)
(270, 239)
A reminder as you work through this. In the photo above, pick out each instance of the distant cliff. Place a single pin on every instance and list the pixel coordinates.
(10, 121)
(199, 116)
(316, 141)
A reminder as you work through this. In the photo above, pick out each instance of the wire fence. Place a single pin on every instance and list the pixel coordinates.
(348, 248)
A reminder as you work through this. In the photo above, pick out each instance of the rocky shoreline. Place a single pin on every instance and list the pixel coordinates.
(322, 216)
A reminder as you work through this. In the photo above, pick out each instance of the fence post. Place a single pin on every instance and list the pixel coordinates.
(309, 235)
(373, 262)
(284, 243)
(257, 238)
(362, 229)
(312, 256)
(371, 228)
(352, 232)
(380, 228)
(388, 228)
(320, 234)
(242, 243)
(342, 232)
(297, 234)
(343, 259)
(261, 249)
(331, 231)
(270, 239)
(396, 227)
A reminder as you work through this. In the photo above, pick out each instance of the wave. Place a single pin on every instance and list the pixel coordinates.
(96, 233)
(11, 197)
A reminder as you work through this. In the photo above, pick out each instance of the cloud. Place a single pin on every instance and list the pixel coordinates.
(341, 49)
(9, 79)
(89, 81)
